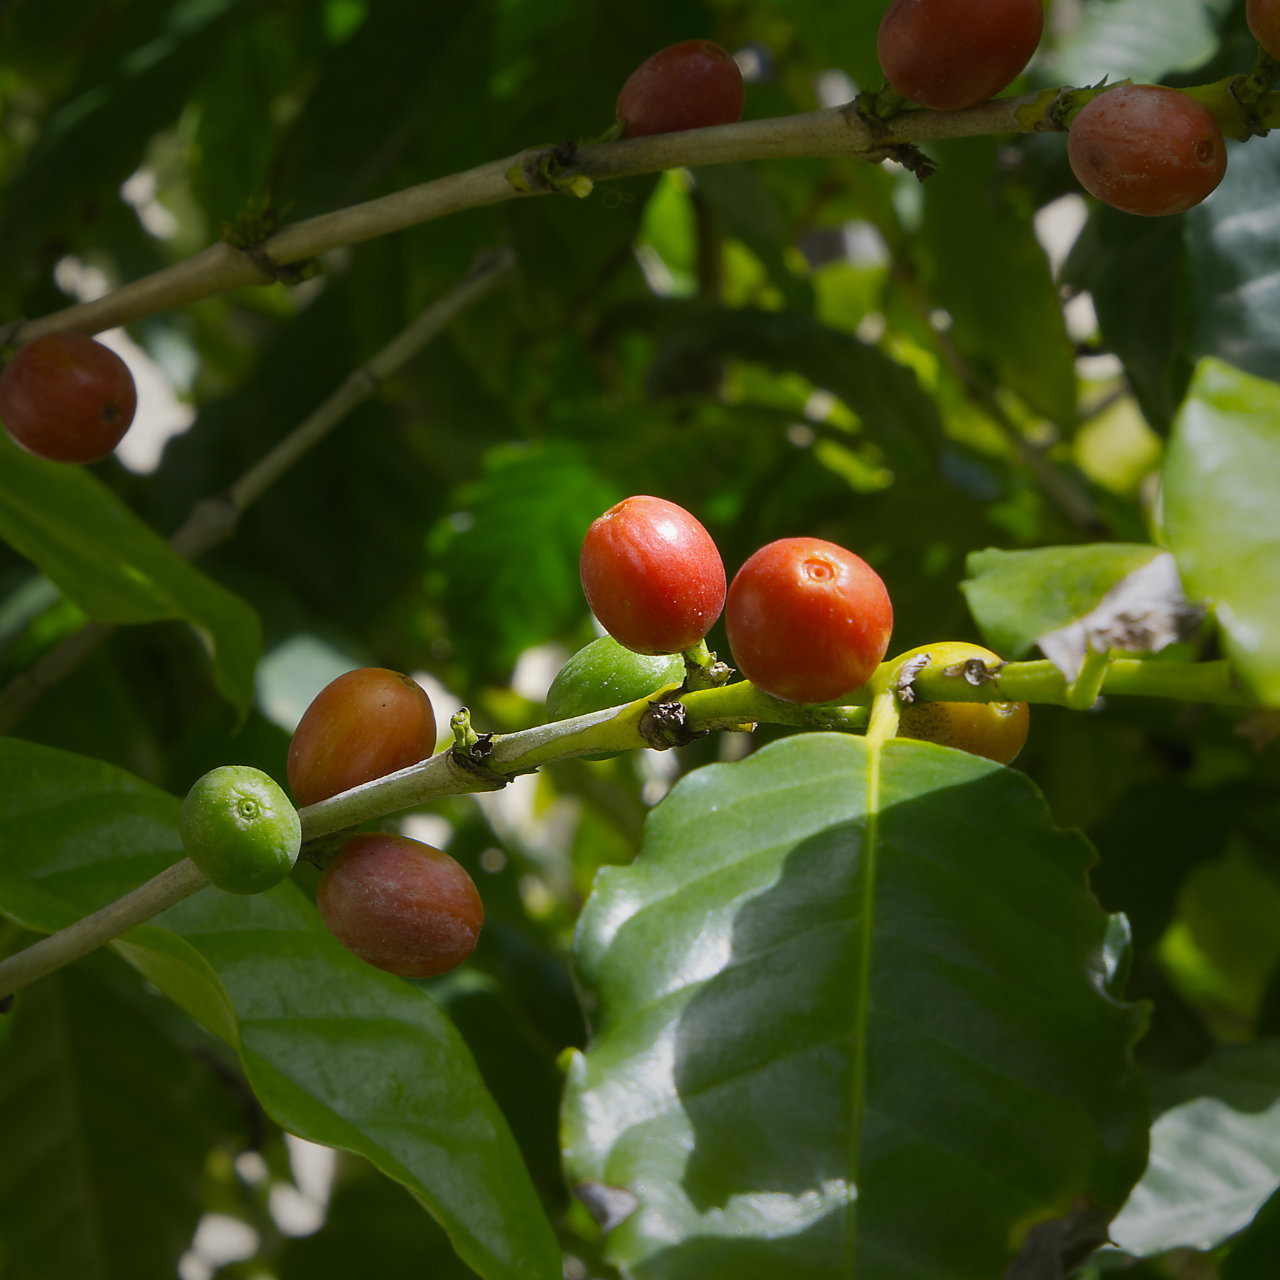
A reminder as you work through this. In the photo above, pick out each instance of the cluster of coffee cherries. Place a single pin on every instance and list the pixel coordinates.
(1144, 149)
(396, 903)
(807, 621)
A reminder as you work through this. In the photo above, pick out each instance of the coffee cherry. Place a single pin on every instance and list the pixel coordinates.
(67, 398)
(605, 674)
(364, 725)
(686, 86)
(1146, 149)
(807, 620)
(948, 54)
(1263, 17)
(400, 905)
(652, 575)
(996, 730)
(239, 828)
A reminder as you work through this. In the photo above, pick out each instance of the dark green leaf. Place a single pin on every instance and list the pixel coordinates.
(1253, 1253)
(1134, 271)
(104, 1161)
(990, 274)
(1222, 520)
(337, 1052)
(850, 1013)
(116, 568)
(509, 557)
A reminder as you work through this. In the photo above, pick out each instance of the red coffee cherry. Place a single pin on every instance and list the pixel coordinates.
(685, 86)
(1263, 17)
(808, 621)
(652, 575)
(67, 398)
(948, 54)
(1146, 149)
(363, 725)
(400, 905)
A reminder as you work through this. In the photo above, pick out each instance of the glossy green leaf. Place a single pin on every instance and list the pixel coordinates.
(1018, 596)
(336, 1052)
(1222, 520)
(104, 1163)
(115, 567)
(1211, 1169)
(852, 1014)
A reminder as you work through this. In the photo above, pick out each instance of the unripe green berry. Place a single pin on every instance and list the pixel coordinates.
(240, 829)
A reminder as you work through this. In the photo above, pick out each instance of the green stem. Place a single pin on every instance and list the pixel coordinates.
(736, 706)
(1041, 681)
(160, 892)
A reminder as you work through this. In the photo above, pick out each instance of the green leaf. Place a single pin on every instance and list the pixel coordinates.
(1018, 596)
(335, 1051)
(1134, 270)
(509, 557)
(372, 1228)
(104, 1163)
(1138, 39)
(1233, 264)
(896, 414)
(992, 277)
(1211, 1170)
(852, 1014)
(1222, 521)
(1253, 1253)
(116, 568)
(746, 208)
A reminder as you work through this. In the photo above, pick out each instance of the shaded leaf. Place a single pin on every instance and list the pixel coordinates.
(104, 1163)
(337, 1052)
(1222, 521)
(846, 1020)
(116, 568)
(991, 275)
(1018, 596)
(1254, 1252)
(508, 559)
(887, 396)
(1134, 270)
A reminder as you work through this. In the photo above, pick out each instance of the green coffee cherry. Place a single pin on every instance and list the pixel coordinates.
(239, 828)
(606, 674)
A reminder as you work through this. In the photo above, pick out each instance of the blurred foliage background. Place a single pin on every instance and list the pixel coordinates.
(825, 347)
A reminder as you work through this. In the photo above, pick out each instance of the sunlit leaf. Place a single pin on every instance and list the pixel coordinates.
(1222, 520)
(852, 1013)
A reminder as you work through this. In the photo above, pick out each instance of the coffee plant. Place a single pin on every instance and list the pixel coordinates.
(369, 907)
